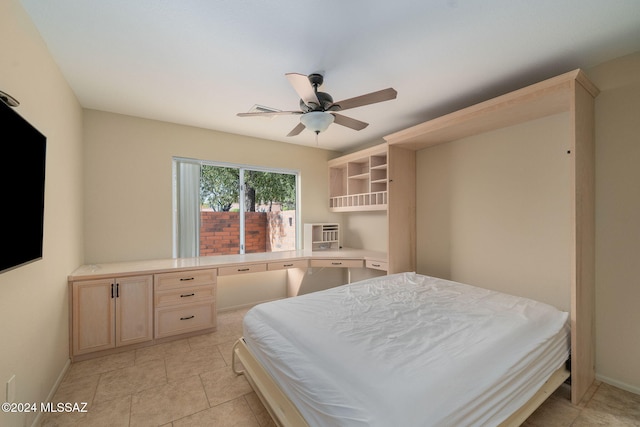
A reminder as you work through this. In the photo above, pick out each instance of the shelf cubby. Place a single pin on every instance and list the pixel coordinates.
(358, 181)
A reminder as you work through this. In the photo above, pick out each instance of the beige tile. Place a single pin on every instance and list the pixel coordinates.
(235, 413)
(224, 334)
(222, 385)
(612, 400)
(161, 351)
(591, 418)
(168, 402)
(261, 413)
(81, 390)
(226, 349)
(100, 365)
(106, 414)
(554, 412)
(194, 362)
(130, 380)
(232, 317)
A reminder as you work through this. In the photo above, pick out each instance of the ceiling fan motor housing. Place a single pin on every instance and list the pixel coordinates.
(326, 101)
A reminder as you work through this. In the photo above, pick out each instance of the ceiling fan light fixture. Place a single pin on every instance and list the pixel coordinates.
(317, 121)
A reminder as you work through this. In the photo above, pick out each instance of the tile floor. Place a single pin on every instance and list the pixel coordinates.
(189, 382)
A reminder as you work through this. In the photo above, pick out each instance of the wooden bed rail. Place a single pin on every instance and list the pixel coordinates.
(281, 409)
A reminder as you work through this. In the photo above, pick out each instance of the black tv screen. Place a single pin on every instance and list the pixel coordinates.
(22, 182)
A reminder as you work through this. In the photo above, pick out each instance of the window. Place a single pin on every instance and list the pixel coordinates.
(222, 209)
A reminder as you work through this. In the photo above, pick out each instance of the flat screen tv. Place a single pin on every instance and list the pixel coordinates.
(22, 174)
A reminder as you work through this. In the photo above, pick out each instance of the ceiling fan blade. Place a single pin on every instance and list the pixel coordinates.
(268, 113)
(370, 98)
(349, 122)
(303, 88)
(296, 130)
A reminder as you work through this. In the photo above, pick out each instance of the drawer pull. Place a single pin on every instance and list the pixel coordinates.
(186, 295)
(336, 263)
(287, 265)
(187, 318)
(244, 269)
(186, 279)
(375, 265)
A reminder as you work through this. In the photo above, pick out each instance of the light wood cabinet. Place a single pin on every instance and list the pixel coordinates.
(319, 237)
(377, 265)
(110, 313)
(573, 93)
(285, 265)
(380, 178)
(242, 269)
(337, 263)
(359, 181)
(185, 301)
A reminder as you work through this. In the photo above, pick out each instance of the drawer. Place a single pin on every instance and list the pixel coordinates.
(181, 279)
(181, 319)
(188, 295)
(337, 263)
(376, 265)
(242, 269)
(301, 263)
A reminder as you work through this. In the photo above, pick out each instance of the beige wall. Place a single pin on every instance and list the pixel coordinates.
(494, 209)
(128, 180)
(33, 298)
(618, 221)
(128, 191)
(365, 230)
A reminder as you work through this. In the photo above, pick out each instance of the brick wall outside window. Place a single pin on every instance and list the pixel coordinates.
(264, 232)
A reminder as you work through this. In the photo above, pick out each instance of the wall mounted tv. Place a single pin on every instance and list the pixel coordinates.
(22, 189)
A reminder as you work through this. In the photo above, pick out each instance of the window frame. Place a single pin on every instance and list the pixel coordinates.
(242, 168)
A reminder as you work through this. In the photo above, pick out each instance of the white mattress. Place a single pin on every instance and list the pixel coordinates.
(408, 350)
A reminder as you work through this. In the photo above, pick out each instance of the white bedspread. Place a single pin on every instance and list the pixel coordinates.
(408, 350)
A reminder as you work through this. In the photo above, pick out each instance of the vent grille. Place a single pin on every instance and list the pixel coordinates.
(262, 109)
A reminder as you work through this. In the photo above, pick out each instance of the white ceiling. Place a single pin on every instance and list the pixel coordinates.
(199, 62)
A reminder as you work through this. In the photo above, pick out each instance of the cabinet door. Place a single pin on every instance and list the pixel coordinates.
(134, 310)
(93, 323)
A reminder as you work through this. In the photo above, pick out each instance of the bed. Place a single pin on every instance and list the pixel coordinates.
(404, 349)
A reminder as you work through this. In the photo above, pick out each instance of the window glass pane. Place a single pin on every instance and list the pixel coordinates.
(270, 211)
(219, 211)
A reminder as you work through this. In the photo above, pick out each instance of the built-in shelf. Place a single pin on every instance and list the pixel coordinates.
(358, 181)
(318, 237)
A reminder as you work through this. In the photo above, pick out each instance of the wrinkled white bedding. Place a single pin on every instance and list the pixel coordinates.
(408, 350)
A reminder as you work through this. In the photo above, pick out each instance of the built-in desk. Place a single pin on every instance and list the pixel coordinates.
(236, 264)
(124, 305)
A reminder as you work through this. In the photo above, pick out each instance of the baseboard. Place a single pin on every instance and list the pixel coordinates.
(52, 392)
(619, 384)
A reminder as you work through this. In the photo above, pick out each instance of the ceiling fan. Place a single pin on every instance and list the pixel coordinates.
(318, 110)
